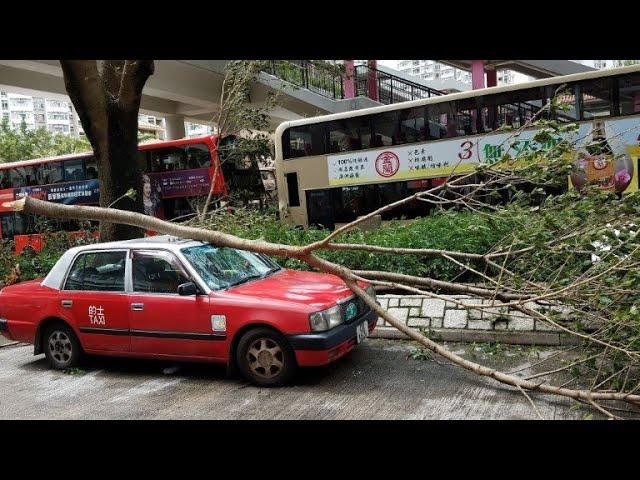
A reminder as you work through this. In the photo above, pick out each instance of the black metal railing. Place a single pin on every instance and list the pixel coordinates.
(390, 88)
(305, 74)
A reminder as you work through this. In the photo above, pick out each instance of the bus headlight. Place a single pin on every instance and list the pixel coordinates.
(326, 319)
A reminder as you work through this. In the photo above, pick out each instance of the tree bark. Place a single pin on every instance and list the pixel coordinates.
(108, 102)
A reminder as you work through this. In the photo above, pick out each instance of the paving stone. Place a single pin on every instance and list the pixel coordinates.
(455, 319)
(414, 312)
(480, 324)
(418, 322)
(400, 313)
(436, 322)
(393, 302)
(410, 302)
(521, 323)
(543, 326)
(432, 307)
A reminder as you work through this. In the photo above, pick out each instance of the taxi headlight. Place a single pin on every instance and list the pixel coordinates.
(326, 319)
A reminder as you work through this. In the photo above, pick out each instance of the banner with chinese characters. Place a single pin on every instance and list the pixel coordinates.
(181, 183)
(70, 193)
(460, 155)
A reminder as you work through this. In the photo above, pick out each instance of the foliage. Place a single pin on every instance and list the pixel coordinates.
(451, 230)
(30, 264)
(24, 143)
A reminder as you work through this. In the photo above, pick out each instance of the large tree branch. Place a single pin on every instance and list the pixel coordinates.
(31, 205)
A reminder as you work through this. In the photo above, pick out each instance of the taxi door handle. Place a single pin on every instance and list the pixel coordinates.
(67, 303)
(137, 307)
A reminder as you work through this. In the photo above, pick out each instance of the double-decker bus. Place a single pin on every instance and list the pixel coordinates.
(334, 168)
(174, 173)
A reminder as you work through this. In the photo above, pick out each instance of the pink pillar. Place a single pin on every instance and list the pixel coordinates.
(372, 80)
(349, 79)
(477, 74)
(492, 78)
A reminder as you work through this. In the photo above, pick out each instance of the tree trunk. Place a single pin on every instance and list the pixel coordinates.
(108, 102)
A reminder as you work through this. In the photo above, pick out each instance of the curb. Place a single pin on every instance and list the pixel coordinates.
(469, 336)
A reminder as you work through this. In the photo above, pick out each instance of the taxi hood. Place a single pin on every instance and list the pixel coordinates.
(317, 290)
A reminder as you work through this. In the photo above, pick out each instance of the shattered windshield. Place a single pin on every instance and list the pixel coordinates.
(225, 267)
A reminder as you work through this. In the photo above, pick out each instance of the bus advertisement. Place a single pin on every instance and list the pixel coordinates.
(334, 168)
(174, 174)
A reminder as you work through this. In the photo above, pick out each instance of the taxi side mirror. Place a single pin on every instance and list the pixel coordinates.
(188, 288)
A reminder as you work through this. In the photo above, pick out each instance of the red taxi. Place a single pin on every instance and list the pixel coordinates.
(169, 298)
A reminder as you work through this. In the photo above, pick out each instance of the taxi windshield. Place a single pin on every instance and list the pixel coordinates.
(225, 267)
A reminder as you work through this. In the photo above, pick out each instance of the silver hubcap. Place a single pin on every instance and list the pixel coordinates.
(265, 358)
(60, 346)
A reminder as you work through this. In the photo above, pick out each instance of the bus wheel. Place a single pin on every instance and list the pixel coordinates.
(265, 358)
(61, 347)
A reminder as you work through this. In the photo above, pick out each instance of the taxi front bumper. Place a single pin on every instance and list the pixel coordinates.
(321, 348)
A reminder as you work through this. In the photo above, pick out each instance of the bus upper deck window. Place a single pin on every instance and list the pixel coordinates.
(386, 129)
(91, 168)
(198, 156)
(629, 94)
(305, 140)
(168, 159)
(595, 98)
(51, 173)
(4, 179)
(74, 170)
(350, 134)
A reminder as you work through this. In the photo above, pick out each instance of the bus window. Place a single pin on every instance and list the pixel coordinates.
(349, 134)
(168, 159)
(466, 116)
(386, 129)
(198, 156)
(567, 97)
(91, 168)
(292, 189)
(23, 176)
(73, 170)
(305, 140)
(629, 88)
(595, 98)
(512, 109)
(6, 223)
(5, 181)
(51, 172)
(441, 121)
(412, 125)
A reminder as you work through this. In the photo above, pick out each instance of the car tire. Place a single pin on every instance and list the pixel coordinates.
(61, 346)
(265, 358)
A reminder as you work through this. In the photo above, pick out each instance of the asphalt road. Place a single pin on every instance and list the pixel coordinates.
(375, 381)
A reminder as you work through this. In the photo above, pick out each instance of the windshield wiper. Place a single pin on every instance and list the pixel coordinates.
(245, 279)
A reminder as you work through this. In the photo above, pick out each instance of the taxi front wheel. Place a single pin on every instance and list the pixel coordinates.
(265, 358)
(61, 346)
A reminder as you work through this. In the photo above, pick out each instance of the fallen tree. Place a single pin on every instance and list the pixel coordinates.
(308, 254)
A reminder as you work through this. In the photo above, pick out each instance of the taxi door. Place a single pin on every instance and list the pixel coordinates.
(94, 299)
(162, 321)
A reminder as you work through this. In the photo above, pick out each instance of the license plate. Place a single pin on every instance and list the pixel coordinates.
(362, 331)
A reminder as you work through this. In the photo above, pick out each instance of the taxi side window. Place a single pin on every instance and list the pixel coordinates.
(100, 271)
(157, 272)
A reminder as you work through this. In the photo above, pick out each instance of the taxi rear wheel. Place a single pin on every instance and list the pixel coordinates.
(61, 347)
(265, 358)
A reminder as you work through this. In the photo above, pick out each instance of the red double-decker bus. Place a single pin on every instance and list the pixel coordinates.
(174, 173)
